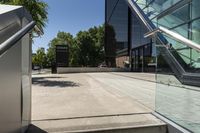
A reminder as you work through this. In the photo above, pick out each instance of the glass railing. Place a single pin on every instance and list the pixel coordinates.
(186, 56)
(156, 6)
(174, 100)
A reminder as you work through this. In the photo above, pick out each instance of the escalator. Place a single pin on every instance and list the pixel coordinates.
(174, 47)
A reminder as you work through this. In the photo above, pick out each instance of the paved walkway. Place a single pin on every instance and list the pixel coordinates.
(94, 95)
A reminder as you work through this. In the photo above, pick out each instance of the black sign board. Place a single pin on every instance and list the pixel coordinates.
(62, 56)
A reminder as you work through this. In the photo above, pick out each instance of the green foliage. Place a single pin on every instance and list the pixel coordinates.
(111, 48)
(86, 49)
(40, 59)
(37, 8)
(91, 46)
(62, 38)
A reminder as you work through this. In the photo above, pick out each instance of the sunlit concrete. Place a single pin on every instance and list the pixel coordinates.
(63, 97)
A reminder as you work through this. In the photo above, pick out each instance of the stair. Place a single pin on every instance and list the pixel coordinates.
(133, 123)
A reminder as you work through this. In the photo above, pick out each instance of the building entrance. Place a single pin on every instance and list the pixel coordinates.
(141, 59)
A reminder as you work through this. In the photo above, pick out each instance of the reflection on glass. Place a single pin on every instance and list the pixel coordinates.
(137, 32)
(182, 30)
(196, 31)
(187, 57)
(177, 102)
(161, 5)
(195, 8)
(119, 21)
(110, 4)
(178, 17)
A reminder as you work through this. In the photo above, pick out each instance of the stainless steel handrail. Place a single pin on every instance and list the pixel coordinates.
(16, 37)
(175, 36)
(151, 27)
(140, 15)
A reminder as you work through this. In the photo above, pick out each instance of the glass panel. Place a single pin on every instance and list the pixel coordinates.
(151, 12)
(110, 4)
(188, 58)
(148, 61)
(177, 102)
(196, 31)
(196, 38)
(161, 5)
(137, 32)
(119, 23)
(142, 3)
(195, 9)
(195, 59)
(133, 60)
(176, 18)
(182, 30)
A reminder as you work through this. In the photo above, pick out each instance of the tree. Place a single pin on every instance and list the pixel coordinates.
(62, 38)
(86, 49)
(40, 59)
(37, 8)
(86, 44)
(110, 47)
(98, 35)
(91, 46)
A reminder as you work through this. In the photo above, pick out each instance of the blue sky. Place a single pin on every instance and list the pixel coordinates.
(70, 16)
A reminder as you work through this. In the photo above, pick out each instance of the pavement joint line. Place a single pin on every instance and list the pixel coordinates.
(97, 116)
(183, 87)
(133, 77)
(114, 128)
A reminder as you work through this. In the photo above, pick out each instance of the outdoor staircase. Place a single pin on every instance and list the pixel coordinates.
(134, 123)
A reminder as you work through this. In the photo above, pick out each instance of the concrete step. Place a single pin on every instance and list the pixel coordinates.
(133, 123)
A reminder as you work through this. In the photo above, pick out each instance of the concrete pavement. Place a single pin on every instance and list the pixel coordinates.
(91, 100)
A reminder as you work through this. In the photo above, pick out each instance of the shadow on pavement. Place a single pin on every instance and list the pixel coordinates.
(44, 81)
(34, 129)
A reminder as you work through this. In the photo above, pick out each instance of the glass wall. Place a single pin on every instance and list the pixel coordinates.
(174, 100)
(184, 20)
(110, 7)
(137, 32)
(179, 16)
(117, 18)
(142, 57)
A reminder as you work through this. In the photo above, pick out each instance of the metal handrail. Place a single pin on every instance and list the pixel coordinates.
(16, 37)
(175, 36)
(153, 30)
(140, 15)
(151, 27)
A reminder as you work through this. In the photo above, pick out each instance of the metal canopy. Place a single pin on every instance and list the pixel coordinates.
(8, 8)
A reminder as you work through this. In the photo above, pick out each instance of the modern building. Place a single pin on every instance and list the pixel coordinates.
(125, 41)
(129, 48)
(160, 35)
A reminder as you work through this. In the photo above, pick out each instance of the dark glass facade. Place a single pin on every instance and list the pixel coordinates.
(116, 29)
(125, 38)
(175, 100)
(117, 18)
(141, 48)
(177, 63)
